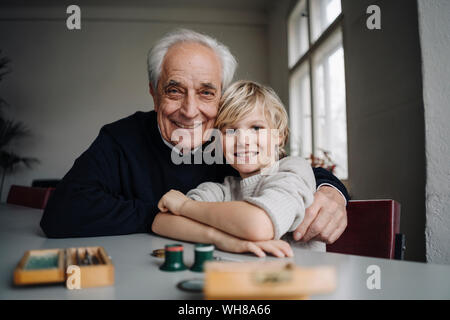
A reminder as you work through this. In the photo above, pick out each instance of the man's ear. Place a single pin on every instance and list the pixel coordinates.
(155, 97)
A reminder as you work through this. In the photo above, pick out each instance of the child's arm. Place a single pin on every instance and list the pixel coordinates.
(185, 229)
(277, 207)
(238, 218)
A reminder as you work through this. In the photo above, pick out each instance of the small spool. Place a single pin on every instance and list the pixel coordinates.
(203, 253)
(158, 253)
(173, 258)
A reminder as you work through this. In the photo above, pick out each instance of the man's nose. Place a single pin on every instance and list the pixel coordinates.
(189, 108)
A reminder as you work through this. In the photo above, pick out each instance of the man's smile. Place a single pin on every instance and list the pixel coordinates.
(187, 126)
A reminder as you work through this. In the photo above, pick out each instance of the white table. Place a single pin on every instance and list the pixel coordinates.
(137, 275)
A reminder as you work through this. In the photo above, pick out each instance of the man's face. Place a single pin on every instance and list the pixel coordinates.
(188, 93)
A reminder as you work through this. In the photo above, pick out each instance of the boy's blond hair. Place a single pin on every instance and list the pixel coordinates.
(242, 97)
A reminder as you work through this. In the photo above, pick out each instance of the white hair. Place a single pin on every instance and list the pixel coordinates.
(158, 52)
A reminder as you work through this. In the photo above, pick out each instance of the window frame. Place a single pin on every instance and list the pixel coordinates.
(308, 58)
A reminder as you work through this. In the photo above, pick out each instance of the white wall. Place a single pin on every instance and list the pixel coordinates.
(66, 84)
(434, 23)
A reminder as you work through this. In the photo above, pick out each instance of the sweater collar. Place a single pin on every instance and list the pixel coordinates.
(249, 181)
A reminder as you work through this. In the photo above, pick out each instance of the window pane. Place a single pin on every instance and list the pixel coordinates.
(330, 120)
(323, 13)
(298, 33)
(300, 113)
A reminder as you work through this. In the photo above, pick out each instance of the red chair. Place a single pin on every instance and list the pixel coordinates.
(373, 229)
(29, 196)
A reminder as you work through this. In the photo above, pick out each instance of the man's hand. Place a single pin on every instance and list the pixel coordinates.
(172, 201)
(326, 219)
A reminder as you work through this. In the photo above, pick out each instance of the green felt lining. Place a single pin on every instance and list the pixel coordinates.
(47, 261)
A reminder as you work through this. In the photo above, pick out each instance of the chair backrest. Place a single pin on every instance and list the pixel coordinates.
(29, 196)
(45, 183)
(371, 231)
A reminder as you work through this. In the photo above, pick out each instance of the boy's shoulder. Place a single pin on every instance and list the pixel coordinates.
(293, 163)
(228, 182)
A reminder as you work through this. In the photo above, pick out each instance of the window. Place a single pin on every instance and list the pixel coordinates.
(317, 82)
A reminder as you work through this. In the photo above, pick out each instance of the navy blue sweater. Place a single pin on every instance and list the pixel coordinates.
(114, 187)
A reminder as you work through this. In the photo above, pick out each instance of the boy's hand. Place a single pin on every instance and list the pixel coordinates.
(172, 201)
(277, 248)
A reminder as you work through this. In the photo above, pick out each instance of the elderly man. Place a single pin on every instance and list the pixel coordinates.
(114, 186)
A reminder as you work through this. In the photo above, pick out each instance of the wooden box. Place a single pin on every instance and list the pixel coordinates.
(50, 266)
(266, 280)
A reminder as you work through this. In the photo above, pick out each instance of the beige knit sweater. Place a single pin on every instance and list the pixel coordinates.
(283, 193)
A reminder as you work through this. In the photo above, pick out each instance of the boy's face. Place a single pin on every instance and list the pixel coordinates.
(250, 144)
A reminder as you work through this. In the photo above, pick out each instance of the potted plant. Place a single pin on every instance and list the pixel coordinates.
(10, 131)
(326, 162)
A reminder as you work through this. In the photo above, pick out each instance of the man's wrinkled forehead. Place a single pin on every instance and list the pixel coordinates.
(192, 62)
(171, 82)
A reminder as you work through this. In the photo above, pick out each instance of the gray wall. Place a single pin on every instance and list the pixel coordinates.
(434, 25)
(66, 84)
(385, 112)
(278, 50)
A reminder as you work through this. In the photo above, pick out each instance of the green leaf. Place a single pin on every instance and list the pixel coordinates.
(10, 130)
(10, 161)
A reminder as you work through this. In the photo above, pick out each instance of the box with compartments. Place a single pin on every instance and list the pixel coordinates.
(263, 280)
(51, 266)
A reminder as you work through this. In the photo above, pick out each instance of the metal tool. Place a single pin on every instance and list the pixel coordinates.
(77, 258)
